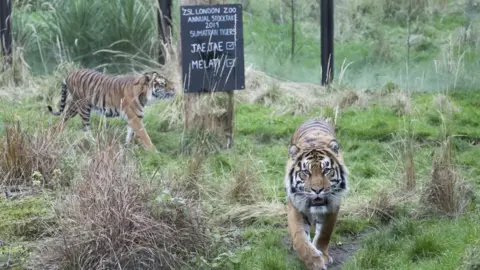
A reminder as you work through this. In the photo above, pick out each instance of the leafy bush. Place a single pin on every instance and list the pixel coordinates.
(80, 28)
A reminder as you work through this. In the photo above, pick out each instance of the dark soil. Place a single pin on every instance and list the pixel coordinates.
(339, 253)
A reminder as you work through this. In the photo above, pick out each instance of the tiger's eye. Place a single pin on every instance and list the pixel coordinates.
(304, 174)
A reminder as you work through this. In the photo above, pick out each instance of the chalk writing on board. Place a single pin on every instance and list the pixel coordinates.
(212, 48)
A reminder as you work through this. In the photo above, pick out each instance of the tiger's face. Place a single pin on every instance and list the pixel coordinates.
(161, 88)
(155, 87)
(318, 180)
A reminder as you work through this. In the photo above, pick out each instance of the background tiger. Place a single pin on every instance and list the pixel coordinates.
(113, 96)
(315, 182)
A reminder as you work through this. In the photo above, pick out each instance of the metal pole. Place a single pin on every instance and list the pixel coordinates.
(326, 40)
(5, 28)
(293, 29)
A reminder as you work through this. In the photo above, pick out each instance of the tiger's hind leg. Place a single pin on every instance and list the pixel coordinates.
(306, 251)
(85, 112)
(69, 114)
(130, 135)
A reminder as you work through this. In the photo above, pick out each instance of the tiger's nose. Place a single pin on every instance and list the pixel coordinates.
(318, 190)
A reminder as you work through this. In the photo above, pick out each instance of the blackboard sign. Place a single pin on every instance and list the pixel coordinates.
(212, 48)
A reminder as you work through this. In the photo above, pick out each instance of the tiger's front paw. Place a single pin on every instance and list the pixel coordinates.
(328, 258)
(319, 261)
(320, 267)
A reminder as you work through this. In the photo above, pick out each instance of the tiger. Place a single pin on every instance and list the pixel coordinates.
(113, 96)
(315, 183)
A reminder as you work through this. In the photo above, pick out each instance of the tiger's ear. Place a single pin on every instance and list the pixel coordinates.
(148, 77)
(334, 146)
(293, 150)
(143, 79)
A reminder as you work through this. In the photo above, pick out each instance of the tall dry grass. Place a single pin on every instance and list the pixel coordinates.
(23, 154)
(113, 219)
(447, 192)
(407, 151)
(245, 187)
(14, 70)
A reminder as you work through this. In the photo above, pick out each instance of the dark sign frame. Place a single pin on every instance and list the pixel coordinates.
(212, 48)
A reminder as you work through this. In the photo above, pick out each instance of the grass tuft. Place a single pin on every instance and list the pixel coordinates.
(200, 142)
(426, 246)
(348, 98)
(270, 96)
(403, 229)
(28, 159)
(14, 70)
(401, 104)
(384, 206)
(445, 105)
(248, 214)
(113, 219)
(244, 189)
(447, 192)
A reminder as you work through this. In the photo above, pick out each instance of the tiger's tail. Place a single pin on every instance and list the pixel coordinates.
(62, 100)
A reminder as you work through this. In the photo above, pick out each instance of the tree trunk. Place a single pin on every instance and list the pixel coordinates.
(5, 30)
(164, 18)
(212, 112)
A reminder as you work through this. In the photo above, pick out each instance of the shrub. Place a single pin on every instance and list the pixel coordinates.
(30, 156)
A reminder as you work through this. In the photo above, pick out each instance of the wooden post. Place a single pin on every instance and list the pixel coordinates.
(196, 117)
(5, 29)
(164, 18)
(326, 36)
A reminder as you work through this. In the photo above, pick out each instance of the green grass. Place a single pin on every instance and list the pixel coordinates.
(267, 251)
(375, 45)
(369, 139)
(371, 35)
(22, 219)
(418, 244)
(22, 222)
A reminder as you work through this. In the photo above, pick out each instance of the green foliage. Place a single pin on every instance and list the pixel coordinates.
(13, 257)
(268, 251)
(261, 122)
(370, 35)
(24, 218)
(416, 244)
(349, 225)
(367, 137)
(126, 26)
(375, 123)
(425, 247)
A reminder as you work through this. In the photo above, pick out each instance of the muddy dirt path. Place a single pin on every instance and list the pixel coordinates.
(340, 254)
